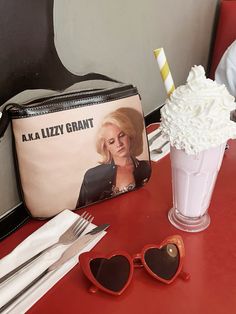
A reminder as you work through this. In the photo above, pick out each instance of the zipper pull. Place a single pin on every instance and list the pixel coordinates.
(5, 119)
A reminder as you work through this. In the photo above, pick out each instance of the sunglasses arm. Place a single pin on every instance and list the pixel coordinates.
(93, 289)
(184, 275)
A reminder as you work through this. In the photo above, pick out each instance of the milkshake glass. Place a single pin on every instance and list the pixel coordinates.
(193, 181)
(196, 121)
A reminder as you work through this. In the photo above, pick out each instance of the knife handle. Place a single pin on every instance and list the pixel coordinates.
(24, 264)
(153, 138)
(6, 305)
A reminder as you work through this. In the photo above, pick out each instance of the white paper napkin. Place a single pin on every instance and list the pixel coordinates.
(37, 241)
(156, 144)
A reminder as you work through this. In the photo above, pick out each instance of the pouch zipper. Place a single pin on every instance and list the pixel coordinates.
(71, 100)
(59, 102)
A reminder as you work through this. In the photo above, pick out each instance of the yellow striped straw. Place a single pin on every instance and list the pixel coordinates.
(164, 70)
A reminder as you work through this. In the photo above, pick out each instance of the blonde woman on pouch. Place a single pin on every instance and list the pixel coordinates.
(119, 170)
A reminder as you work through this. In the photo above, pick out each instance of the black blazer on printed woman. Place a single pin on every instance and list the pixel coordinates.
(98, 181)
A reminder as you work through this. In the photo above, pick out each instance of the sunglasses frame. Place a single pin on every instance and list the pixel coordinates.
(136, 261)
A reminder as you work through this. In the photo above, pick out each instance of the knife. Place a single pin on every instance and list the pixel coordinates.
(153, 138)
(77, 246)
(70, 252)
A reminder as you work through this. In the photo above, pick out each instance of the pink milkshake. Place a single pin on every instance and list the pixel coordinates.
(196, 120)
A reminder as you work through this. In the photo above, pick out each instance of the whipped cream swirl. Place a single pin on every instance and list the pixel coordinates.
(197, 115)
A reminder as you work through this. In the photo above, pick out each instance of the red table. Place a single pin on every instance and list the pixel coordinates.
(139, 218)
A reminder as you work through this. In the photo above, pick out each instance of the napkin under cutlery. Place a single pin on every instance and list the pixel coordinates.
(156, 144)
(40, 239)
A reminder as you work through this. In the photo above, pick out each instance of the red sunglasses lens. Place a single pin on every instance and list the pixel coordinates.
(111, 273)
(163, 262)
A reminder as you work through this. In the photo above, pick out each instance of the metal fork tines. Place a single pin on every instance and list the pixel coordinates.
(75, 230)
(70, 235)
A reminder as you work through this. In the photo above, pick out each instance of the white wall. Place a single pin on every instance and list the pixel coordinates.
(117, 38)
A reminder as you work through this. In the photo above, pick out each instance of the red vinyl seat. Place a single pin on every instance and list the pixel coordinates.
(225, 32)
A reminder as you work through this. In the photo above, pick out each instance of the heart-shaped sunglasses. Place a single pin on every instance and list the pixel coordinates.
(112, 273)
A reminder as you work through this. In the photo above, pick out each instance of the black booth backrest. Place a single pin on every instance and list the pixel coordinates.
(28, 58)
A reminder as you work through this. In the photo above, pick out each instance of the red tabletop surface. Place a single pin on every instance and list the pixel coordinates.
(138, 218)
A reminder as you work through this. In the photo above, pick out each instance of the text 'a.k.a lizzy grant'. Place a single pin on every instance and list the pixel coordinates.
(59, 129)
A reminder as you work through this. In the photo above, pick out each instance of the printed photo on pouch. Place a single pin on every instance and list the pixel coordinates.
(118, 142)
(91, 153)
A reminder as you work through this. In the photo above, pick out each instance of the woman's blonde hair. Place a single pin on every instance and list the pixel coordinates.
(121, 120)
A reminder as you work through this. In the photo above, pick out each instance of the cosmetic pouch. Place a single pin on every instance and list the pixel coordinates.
(78, 147)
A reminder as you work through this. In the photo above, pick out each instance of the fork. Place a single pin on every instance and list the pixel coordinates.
(70, 235)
